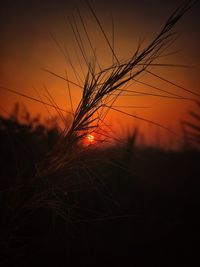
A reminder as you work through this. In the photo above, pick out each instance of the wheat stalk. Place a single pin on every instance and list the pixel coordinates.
(101, 89)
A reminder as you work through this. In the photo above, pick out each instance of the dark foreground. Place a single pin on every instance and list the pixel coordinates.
(121, 206)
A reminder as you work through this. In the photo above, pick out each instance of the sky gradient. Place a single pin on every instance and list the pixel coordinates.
(28, 30)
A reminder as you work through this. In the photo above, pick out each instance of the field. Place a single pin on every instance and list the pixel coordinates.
(112, 205)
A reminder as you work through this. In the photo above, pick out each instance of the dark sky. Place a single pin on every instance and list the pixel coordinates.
(30, 19)
(26, 17)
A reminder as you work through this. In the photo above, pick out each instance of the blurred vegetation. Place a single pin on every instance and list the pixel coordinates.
(112, 204)
(191, 130)
(24, 143)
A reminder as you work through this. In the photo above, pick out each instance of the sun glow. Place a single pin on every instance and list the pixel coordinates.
(90, 138)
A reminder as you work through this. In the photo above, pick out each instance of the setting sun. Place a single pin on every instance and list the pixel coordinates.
(90, 138)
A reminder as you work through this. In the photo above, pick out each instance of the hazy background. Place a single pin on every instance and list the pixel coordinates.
(27, 47)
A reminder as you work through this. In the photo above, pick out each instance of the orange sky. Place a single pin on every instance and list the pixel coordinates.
(27, 47)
